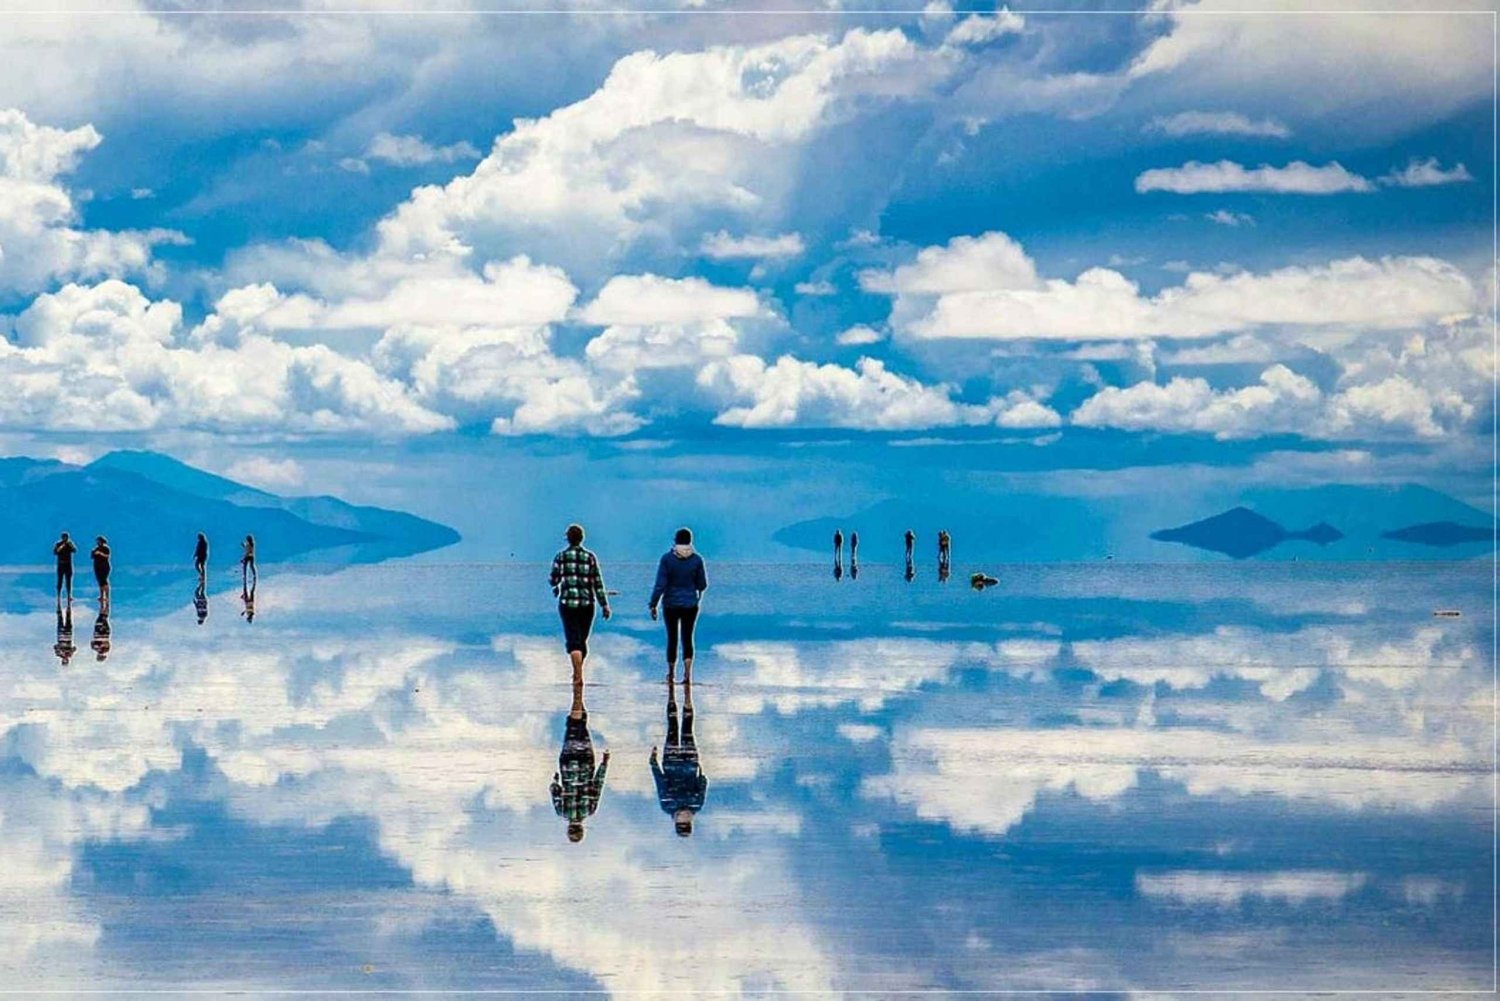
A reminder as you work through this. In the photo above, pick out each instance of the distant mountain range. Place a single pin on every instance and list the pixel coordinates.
(152, 506)
(1337, 522)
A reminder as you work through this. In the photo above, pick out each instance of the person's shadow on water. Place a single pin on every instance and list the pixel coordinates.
(681, 785)
(577, 785)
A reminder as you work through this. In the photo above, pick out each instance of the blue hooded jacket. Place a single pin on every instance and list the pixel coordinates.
(679, 579)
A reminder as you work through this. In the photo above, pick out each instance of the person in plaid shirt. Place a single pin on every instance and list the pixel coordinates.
(577, 582)
(577, 784)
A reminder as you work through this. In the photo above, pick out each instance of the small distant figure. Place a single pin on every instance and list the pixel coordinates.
(576, 785)
(578, 584)
(100, 555)
(200, 601)
(911, 545)
(838, 554)
(64, 648)
(680, 783)
(681, 579)
(63, 549)
(911, 571)
(247, 561)
(101, 641)
(853, 547)
(200, 556)
(945, 551)
(979, 581)
(838, 570)
(247, 598)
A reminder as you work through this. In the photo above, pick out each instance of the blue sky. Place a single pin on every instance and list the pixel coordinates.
(261, 241)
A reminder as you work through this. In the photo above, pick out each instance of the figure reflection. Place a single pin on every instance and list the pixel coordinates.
(65, 648)
(911, 569)
(101, 641)
(680, 783)
(200, 601)
(247, 596)
(577, 785)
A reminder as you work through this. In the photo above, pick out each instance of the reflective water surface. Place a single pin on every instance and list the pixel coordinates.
(1105, 778)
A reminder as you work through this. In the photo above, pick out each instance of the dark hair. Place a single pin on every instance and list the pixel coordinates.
(575, 534)
(684, 828)
(684, 537)
(575, 829)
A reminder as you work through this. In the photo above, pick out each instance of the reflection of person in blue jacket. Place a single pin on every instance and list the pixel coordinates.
(680, 783)
(680, 583)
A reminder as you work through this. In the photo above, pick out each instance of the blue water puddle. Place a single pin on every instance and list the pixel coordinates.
(1101, 779)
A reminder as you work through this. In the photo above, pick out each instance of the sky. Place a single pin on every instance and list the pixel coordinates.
(370, 251)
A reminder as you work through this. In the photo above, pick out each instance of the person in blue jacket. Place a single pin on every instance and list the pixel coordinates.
(680, 583)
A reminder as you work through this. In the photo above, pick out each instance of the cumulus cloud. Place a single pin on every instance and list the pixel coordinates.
(1426, 174)
(655, 322)
(1223, 123)
(792, 393)
(40, 239)
(665, 139)
(1296, 178)
(987, 287)
(1289, 57)
(722, 247)
(859, 335)
(107, 358)
(1224, 217)
(261, 471)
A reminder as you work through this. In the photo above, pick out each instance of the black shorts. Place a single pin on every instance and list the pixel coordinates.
(577, 624)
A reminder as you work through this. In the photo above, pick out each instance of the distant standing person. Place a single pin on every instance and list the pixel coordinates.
(680, 783)
(577, 785)
(247, 561)
(838, 554)
(911, 545)
(100, 556)
(200, 556)
(945, 550)
(853, 548)
(681, 580)
(64, 549)
(578, 584)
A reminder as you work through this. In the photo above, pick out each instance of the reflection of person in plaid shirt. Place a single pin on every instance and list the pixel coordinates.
(577, 784)
(577, 582)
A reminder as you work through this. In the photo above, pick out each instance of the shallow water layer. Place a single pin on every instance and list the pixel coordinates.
(1102, 778)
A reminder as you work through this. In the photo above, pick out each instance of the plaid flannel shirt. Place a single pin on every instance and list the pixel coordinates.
(576, 579)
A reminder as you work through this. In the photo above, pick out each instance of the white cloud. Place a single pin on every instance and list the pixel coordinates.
(106, 358)
(988, 288)
(260, 471)
(40, 242)
(665, 140)
(1282, 401)
(1224, 217)
(414, 151)
(1296, 178)
(1225, 123)
(980, 29)
(859, 335)
(656, 322)
(1200, 888)
(815, 288)
(722, 247)
(793, 393)
(1416, 68)
(1425, 174)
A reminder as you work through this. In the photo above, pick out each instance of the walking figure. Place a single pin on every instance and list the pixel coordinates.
(64, 549)
(578, 584)
(577, 785)
(911, 546)
(680, 783)
(100, 556)
(945, 552)
(200, 556)
(681, 580)
(838, 554)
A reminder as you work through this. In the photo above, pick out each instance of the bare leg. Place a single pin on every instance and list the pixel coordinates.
(577, 710)
(577, 657)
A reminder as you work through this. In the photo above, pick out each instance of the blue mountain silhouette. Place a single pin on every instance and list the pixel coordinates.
(1242, 533)
(151, 507)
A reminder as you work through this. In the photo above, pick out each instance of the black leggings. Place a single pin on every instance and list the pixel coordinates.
(680, 620)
